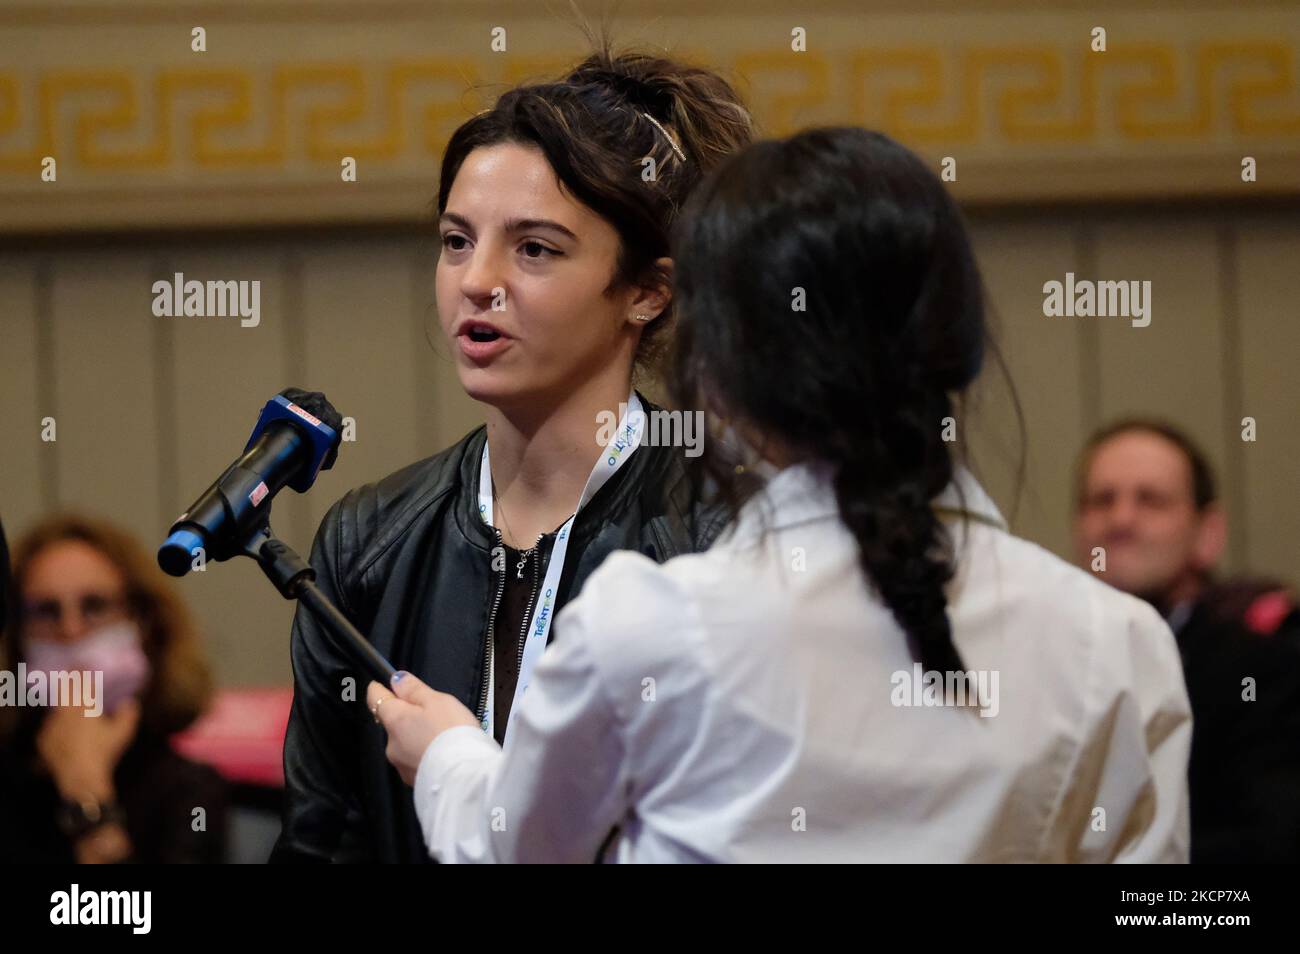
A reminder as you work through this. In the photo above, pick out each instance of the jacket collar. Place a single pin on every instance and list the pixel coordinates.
(648, 466)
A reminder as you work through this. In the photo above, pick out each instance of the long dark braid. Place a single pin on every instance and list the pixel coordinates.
(864, 376)
(884, 494)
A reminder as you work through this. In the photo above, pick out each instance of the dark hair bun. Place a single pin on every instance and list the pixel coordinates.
(621, 75)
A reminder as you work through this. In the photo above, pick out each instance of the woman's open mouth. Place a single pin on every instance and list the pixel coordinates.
(481, 342)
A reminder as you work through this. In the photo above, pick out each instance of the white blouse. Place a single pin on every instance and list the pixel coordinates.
(758, 702)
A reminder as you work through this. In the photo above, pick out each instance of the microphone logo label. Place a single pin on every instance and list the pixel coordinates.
(313, 421)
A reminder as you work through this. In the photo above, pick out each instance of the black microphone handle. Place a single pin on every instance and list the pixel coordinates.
(295, 579)
(349, 638)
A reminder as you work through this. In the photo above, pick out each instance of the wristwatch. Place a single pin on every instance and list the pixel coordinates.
(78, 817)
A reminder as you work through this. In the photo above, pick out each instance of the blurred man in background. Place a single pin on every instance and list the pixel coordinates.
(1148, 522)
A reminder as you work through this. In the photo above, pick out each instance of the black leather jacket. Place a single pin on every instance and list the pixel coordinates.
(408, 559)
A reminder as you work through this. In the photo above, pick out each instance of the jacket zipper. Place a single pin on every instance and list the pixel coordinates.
(491, 630)
(490, 643)
(528, 607)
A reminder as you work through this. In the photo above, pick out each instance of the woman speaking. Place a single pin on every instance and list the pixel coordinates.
(552, 285)
(867, 666)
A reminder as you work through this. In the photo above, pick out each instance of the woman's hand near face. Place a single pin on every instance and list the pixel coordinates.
(81, 751)
(414, 715)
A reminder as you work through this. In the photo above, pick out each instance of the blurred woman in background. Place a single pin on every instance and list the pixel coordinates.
(86, 787)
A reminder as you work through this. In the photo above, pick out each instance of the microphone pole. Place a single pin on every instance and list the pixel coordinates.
(296, 580)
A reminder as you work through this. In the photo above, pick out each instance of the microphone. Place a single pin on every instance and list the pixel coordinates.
(296, 437)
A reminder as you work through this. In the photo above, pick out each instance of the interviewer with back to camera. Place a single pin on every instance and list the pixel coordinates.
(448, 563)
(741, 704)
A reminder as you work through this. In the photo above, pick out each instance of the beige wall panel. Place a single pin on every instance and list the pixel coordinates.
(105, 342)
(1044, 358)
(358, 347)
(26, 462)
(1268, 274)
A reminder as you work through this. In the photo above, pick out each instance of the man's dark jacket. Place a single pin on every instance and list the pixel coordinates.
(1244, 775)
(408, 560)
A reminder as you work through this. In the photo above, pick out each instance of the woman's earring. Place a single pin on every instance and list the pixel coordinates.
(644, 317)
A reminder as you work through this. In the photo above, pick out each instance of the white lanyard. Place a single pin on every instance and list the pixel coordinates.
(620, 447)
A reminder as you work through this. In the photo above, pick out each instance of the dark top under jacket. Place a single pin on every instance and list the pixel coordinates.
(525, 570)
(409, 561)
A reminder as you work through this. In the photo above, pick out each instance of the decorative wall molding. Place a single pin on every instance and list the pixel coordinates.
(147, 133)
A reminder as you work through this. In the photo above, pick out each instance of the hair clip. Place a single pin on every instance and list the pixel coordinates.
(680, 155)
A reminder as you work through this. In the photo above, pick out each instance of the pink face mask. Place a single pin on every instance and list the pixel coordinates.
(114, 650)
